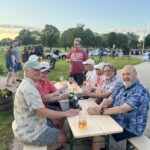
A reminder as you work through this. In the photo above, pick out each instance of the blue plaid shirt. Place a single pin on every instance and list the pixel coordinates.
(138, 98)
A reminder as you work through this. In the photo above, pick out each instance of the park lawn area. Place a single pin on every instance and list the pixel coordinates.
(6, 117)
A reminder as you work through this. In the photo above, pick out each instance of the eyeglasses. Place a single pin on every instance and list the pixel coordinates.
(45, 72)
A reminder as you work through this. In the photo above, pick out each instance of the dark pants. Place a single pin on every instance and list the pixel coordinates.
(52, 62)
(79, 78)
(124, 135)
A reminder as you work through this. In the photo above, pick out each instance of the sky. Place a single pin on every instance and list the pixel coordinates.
(102, 16)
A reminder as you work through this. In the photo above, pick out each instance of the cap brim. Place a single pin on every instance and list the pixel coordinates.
(38, 67)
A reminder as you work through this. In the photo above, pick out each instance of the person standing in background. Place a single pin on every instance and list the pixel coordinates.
(10, 65)
(76, 56)
(18, 66)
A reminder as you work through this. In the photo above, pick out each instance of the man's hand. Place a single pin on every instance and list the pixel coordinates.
(63, 97)
(85, 93)
(93, 111)
(57, 93)
(72, 112)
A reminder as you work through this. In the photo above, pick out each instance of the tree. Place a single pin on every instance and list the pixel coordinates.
(122, 41)
(147, 41)
(26, 37)
(6, 41)
(98, 41)
(133, 40)
(112, 39)
(88, 38)
(50, 36)
(69, 35)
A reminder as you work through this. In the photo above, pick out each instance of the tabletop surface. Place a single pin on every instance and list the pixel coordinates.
(96, 124)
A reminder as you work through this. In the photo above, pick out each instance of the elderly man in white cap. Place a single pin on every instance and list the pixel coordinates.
(91, 73)
(30, 124)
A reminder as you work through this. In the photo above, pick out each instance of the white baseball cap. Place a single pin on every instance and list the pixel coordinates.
(33, 65)
(33, 58)
(45, 65)
(99, 66)
(89, 61)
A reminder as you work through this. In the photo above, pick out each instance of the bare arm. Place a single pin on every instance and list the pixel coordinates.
(118, 109)
(111, 111)
(44, 112)
(106, 102)
(96, 95)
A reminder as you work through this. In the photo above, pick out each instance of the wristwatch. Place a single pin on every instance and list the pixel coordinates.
(102, 111)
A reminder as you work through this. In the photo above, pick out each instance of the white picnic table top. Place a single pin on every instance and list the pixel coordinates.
(96, 124)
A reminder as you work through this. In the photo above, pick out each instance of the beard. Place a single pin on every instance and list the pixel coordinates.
(127, 83)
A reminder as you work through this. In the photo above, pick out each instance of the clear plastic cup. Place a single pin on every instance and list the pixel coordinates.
(82, 120)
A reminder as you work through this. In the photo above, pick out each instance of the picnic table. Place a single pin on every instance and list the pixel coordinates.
(97, 125)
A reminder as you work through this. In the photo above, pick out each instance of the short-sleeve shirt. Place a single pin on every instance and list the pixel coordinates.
(27, 126)
(138, 98)
(16, 53)
(76, 66)
(45, 87)
(109, 85)
(91, 77)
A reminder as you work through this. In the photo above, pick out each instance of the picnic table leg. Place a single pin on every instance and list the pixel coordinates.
(127, 145)
(107, 142)
(71, 141)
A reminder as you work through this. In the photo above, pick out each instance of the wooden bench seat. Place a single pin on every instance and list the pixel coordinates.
(33, 147)
(140, 143)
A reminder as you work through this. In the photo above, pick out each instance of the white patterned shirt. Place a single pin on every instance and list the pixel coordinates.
(27, 126)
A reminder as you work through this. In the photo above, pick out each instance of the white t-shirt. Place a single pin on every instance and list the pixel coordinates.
(91, 77)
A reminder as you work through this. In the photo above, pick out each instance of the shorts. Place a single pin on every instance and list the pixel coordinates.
(48, 137)
(124, 135)
(11, 69)
(18, 67)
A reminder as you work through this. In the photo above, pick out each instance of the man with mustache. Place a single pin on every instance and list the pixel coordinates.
(130, 105)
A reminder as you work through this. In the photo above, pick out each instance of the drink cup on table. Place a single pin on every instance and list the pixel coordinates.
(71, 80)
(61, 79)
(82, 120)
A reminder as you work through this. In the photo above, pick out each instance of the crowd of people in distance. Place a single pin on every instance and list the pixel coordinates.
(38, 117)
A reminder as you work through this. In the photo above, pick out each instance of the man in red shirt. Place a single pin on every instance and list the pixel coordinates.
(76, 56)
(46, 88)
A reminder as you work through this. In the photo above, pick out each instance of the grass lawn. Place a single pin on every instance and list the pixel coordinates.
(6, 116)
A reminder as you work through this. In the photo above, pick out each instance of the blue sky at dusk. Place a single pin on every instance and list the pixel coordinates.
(102, 16)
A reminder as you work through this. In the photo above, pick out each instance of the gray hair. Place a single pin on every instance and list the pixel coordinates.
(111, 66)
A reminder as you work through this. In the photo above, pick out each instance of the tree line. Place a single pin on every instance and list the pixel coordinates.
(51, 37)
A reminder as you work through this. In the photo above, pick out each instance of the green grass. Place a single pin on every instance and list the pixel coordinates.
(6, 136)
(62, 68)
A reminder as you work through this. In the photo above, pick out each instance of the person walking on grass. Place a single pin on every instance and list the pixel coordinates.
(10, 65)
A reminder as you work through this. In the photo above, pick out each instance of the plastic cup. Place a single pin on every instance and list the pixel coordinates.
(82, 120)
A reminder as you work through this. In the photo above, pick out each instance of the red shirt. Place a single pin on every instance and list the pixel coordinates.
(76, 66)
(45, 87)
